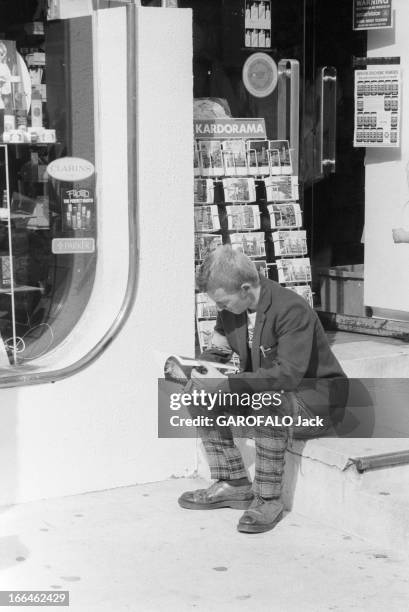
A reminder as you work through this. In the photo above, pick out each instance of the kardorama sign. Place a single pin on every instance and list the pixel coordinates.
(226, 129)
(372, 14)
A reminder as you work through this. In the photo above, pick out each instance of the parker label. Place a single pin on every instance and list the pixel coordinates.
(73, 245)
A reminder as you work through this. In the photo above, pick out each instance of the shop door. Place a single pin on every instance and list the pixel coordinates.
(332, 170)
(313, 45)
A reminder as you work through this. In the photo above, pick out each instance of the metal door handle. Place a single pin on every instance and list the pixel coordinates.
(328, 119)
(288, 124)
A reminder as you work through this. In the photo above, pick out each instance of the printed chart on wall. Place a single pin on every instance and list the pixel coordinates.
(377, 107)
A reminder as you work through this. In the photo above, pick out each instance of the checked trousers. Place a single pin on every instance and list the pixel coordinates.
(226, 463)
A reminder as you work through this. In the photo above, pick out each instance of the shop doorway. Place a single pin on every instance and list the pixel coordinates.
(318, 35)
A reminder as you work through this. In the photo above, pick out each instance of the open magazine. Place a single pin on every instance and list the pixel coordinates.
(179, 369)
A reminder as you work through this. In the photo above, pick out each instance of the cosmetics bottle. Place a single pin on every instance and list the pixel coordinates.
(254, 38)
(248, 39)
(9, 119)
(268, 39)
(248, 12)
(36, 109)
(254, 12)
(268, 13)
(262, 12)
(21, 112)
(262, 38)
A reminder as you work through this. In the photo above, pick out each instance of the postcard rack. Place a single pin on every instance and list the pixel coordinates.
(246, 195)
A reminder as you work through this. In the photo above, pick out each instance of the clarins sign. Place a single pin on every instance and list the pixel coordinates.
(70, 169)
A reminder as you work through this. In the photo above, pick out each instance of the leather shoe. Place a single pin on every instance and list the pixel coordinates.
(261, 516)
(220, 494)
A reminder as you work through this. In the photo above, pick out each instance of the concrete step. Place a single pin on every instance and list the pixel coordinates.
(321, 482)
(364, 356)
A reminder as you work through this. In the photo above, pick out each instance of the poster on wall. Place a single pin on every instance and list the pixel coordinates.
(372, 14)
(377, 112)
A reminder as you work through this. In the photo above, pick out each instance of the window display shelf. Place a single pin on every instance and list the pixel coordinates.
(20, 289)
(30, 144)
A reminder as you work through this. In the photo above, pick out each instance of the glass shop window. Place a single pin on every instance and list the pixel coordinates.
(47, 179)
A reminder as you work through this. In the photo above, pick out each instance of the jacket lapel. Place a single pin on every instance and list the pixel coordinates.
(264, 304)
(255, 347)
(240, 333)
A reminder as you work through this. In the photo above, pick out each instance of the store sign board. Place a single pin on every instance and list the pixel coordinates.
(61, 246)
(70, 169)
(226, 129)
(372, 14)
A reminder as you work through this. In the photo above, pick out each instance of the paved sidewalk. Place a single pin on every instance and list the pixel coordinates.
(134, 549)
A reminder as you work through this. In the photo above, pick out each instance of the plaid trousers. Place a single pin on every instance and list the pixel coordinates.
(226, 463)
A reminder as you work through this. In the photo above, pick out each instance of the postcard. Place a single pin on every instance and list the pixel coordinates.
(235, 157)
(290, 243)
(252, 245)
(203, 191)
(280, 157)
(281, 188)
(205, 331)
(285, 215)
(206, 219)
(294, 270)
(243, 217)
(205, 243)
(258, 157)
(196, 163)
(210, 155)
(205, 307)
(304, 291)
(262, 266)
(239, 190)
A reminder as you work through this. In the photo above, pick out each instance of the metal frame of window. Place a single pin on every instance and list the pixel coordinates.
(25, 378)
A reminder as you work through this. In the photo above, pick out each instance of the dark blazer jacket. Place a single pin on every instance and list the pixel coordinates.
(290, 350)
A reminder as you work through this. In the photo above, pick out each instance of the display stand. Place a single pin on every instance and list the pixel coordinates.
(248, 184)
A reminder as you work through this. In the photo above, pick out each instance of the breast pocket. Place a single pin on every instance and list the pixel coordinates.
(267, 355)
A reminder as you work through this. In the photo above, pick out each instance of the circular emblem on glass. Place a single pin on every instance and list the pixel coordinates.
(70, 169)
(260, 75)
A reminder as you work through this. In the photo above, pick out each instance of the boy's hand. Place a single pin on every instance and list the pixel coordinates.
(210, 381)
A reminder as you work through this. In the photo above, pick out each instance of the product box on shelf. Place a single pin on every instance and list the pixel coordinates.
(342, 289)
(5, 271)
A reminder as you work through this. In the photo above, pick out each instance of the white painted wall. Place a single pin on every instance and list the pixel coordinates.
(386, 263)
(97, 430)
